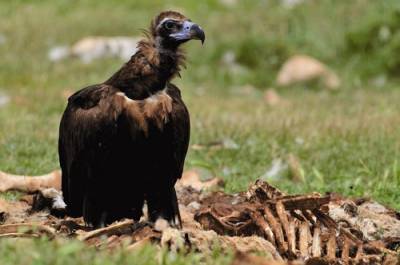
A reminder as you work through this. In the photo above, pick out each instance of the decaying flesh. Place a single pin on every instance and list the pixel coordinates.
(289, 229)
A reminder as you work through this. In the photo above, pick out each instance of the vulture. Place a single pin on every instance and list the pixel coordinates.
(123, 142)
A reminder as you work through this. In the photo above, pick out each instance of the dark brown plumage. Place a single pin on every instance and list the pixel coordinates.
(124, 141)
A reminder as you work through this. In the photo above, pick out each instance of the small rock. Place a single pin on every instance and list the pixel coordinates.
(229, 61)
(228, 3)
(291, 3)
(277, 170)
(91, 48)
(58, 53)
(228, 143)
(271, 97)
(301, 68)
(299, 141)
(229, 57)
(4, 99)
(192, 178)
(96, 47)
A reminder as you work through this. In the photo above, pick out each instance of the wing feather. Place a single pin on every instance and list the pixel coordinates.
(86, 129)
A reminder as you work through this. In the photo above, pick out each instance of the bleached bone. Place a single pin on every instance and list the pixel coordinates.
(30, 183)
(27, 228)
(118, 228)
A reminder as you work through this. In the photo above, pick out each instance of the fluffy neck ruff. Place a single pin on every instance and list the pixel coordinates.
(149, 69)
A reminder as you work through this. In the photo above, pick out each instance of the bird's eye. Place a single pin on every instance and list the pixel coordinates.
(169, 25)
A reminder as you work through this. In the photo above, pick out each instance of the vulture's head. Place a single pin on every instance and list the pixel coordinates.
(171, 29)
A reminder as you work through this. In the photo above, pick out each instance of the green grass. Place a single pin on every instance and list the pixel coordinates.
(346, 141)
(62, 252)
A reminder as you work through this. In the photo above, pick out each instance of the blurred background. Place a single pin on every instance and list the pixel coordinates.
(301, 93)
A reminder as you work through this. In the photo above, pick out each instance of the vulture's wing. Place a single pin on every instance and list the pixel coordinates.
(181, 136)
(180, 130)
(87, 125)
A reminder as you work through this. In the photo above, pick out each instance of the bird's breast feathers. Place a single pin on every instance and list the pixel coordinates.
(156, 109)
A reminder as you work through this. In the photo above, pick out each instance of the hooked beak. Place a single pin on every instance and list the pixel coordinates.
(189, 31)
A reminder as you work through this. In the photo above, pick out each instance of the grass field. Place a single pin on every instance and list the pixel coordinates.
(347, 141)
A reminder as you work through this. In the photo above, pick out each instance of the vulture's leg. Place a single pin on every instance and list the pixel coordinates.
(164, 204)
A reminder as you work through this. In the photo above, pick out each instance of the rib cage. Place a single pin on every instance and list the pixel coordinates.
(298, 226)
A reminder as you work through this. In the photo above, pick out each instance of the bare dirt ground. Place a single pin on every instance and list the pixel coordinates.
(290, 229)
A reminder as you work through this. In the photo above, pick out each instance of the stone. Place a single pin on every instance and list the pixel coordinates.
(302, 69)
(92, 48)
